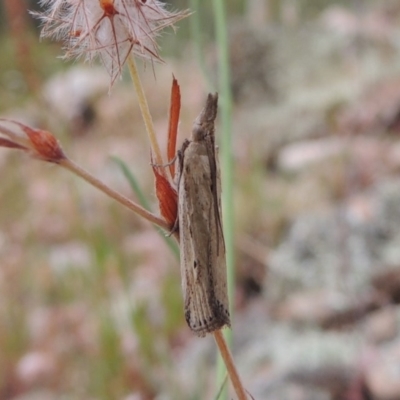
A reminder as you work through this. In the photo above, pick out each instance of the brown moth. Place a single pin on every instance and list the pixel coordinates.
(203, 264)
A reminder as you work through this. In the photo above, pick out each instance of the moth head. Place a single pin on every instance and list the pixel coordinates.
(204, 124)
(198, 132)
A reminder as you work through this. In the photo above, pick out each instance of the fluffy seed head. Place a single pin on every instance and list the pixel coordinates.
(108, 29)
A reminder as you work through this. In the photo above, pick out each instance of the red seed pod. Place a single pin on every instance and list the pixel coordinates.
(46, 145)
(167, 198)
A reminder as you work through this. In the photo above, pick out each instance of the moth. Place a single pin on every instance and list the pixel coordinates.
(203, 263)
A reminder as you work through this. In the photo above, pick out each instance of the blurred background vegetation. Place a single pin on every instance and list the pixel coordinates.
(90, 298)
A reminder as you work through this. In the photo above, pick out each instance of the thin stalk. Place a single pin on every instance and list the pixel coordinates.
(230, 365)
(136, 208)
(144, 108)
(226, 152)
(144, 202)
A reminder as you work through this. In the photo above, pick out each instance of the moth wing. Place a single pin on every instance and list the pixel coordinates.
(203, 266)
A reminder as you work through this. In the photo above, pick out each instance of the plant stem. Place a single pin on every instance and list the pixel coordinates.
(226, 147)
(230, 365)
(144, 202)
(144, 108)
(226, 151)
(77, 170)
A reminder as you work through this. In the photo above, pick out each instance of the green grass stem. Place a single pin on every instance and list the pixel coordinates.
(226, 157)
